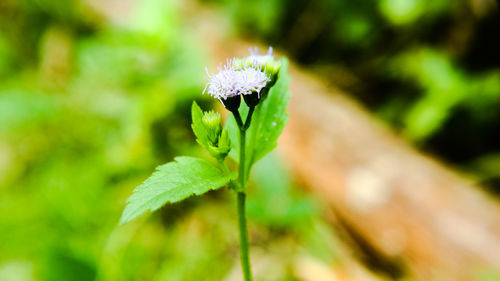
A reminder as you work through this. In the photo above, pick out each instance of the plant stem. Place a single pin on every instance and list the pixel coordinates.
(242, 166)
(249, 118)
(237, 117)
(242, 224)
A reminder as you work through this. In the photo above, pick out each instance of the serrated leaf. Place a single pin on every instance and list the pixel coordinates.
(173, 182)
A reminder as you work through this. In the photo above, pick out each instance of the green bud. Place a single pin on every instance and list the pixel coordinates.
(266, 63)
(207, 126)
(213, 125)
(224, 145)
(272, 68)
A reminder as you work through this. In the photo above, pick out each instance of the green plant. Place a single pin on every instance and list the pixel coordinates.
(253, 130)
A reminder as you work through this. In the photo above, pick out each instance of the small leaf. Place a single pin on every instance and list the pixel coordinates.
(173, 182)
(197, 125)
(224, 142)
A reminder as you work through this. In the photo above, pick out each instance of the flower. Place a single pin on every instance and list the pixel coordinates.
(260, 60)
(266, 62)
(234, 80)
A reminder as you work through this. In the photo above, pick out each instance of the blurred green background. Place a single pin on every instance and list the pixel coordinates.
(95, 94)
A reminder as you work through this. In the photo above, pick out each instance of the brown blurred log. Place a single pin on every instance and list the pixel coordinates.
(402, 203)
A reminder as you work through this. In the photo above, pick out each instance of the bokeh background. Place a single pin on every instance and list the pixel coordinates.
(94, 94)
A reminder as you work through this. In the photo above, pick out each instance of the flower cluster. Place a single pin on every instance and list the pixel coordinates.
(240, 77)
(234, 80)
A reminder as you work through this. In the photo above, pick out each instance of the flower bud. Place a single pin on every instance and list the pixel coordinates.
(267, 63)
(272, 67)
(224, 145)
(213, 125)
(207, 126)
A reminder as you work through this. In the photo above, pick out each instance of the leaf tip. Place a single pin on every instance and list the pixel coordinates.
(123, 220)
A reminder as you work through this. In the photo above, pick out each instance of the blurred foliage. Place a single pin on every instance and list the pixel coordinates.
(95, 94)
(87, 109)
(429, 68)
(91, 100)
(489, 275)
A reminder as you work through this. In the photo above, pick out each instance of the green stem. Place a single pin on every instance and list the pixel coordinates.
(233, 185)
(242, 224)
(223, 166)
(237, 117)
(249, 118)
(243, 137)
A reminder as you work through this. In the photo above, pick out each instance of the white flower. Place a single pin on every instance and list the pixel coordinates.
(260, 61)
(234, 80)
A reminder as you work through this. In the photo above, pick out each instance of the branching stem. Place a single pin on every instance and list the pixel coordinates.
(242, 223)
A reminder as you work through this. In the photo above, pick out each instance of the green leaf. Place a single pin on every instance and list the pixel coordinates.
(269, 118)
(197, 125)
(268, 121)
(173, 182)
